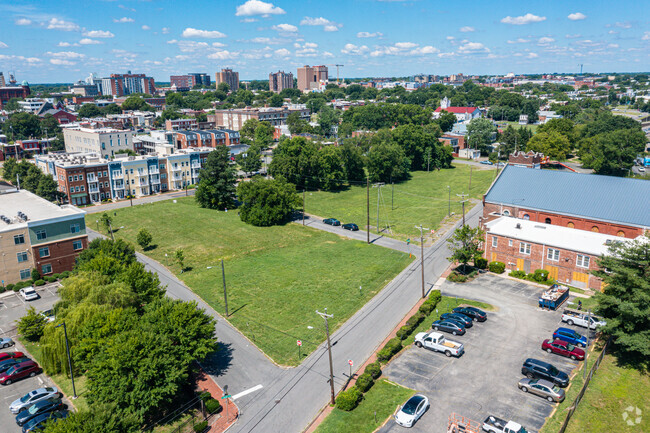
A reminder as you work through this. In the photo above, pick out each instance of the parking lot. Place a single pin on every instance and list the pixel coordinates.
(12, 308)
(484, 380)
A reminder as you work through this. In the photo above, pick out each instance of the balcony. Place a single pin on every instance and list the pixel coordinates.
(117, 175)
(91, 178)
(118, 185)
(196, 164)
(93, 189)
(144, 182)
(177, 176)
(176, 168)
(142, 172)
(155, 180)
(153, 169)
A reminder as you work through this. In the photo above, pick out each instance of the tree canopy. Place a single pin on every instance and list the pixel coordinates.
(216, 189)
(267, 202)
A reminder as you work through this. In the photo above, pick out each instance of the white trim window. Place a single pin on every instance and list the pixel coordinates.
(495, 241)
(524, 248)
(553, 254)
(582, 261)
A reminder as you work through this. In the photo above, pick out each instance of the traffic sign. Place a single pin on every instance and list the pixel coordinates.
(299, 343)
(350, 362)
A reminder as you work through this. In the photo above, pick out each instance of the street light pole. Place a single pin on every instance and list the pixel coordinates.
(225, 293)
(422, 254)
(67, 348)
(449, 201)
(329, 349)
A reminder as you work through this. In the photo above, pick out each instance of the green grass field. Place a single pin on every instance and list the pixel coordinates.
(504, 124)
(424, 199)
(276, 276)
(383, 397)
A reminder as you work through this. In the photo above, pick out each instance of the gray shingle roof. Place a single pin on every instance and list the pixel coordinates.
(605, 198)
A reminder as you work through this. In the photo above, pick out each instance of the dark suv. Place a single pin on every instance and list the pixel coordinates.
(536, 369)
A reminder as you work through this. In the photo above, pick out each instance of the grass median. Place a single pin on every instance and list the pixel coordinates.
(276, 277)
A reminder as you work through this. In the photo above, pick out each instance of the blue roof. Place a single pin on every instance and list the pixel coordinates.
(605, 198)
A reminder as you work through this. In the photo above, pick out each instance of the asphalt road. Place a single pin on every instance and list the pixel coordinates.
(484, 380)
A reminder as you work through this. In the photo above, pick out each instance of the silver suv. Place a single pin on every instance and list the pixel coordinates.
(32, 397)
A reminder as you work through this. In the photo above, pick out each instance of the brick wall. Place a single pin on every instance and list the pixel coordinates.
(62, 255)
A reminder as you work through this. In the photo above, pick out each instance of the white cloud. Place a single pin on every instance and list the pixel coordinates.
(646, 36)
(249, 20)
(62, 62)
(328, 25)
(446, 55)
(451, 38)
(612, 32)
(519, 41)
(123, 20)
(88, 41)
(369, 35)
(532, 56)
(473, 48)
(282, 52)
(146, 27)
(286, 28)
(66, 26)
(467, 29)
(545, 40)
(524, 19)
(268, 41)
(20, 58)
(624, 25)
(310, 45)
(406, 45)
(67, 44)
(123, 54)
(195, 33)
(222, 55)
(3, 45)
(165, 30)
(23, 22)
(577, 16)
(354, 50)
(257, 7)
(331, 28)
(576, 36)
(65, 55)
(98, 34)
(404, 49)
(613, 46)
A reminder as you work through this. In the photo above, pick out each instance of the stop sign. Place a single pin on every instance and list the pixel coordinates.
(299, 343)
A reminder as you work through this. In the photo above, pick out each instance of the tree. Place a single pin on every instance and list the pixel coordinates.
(88, 111)
(31, 325)
(296, 124)
(179, 255)
(264, 134)
(465, 245)
(276, 101)
(446, 121)
(31, 180)
(21, 126)
(48, 189)
(331, 169)
(35, 275)
(625, 300)
(217, 181)
(267, 202)
(353, 164)
(135, 103)
(552, 144)
(106, 221)
(480, 132)
(170, 114)
(565, 127)
(144, 238)
(296, 160)
(247, 131)
(612, 153)
(387, 161)
(251, 160)
(327, 118)
(12, 104)
(98, 418)
(111, 109)
(9, 170)
(223, 87)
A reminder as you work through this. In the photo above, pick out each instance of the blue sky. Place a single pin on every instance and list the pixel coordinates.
(65, 40)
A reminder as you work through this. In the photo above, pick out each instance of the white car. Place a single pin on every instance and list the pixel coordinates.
(6, 342)
(48, 315)
(28, 294)
(412, 410)
(32, 397)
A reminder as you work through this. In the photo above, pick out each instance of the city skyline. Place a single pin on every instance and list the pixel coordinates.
(50, 42)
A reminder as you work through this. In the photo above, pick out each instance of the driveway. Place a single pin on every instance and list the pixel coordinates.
(484, 380)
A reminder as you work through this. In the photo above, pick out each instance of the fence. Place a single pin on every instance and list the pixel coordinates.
(581, 394)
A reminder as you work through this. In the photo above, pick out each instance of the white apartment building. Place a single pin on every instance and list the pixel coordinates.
(103, 141)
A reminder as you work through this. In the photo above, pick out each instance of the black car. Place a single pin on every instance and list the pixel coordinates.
(332, 221)
(37, 423)
(466, 321)
(8, 363)
(473, 312)
(351, 226)
(38, 408)
(448, 326)
(536, 369)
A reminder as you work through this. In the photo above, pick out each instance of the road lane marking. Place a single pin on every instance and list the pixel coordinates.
(248, 391)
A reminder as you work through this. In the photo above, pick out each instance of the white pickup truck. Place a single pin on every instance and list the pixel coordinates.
(436, 341)
(580, 318)
(498, 425)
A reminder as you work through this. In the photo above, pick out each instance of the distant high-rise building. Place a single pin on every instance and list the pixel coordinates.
(126, 84)
(229, 77)
(187, 82)
(200, 78)
(278, 81)
(2, 80)
(310, 76)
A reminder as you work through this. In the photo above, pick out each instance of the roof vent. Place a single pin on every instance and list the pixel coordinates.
(608, 242)
(540, 227)
(518, 226)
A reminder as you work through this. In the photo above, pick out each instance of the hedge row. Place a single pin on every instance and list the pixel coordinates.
(39, 282)
(497, 267)
(539, 276)
(349, 399)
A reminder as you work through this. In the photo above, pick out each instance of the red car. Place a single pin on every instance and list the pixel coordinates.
(9, 355)
(19, 371)
(563, 348)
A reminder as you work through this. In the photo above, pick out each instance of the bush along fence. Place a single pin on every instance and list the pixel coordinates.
(350, 398)
(581, 394)
(36, 280)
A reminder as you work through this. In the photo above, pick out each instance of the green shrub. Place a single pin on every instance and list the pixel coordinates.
(205, 396)
(35, 275)
(64, 274)
(349, 399)
(415, 319)
(427, 307)
(373, 370)
(518, 274)
(9, 287)
(200, 427)
(50, 279)
(472, 274)
(497, 267)
(435, 296)
(404, 332)
(56, 276)
(32, 325)
(3, 289)
(364, 382)
(212, 405)
(456, 277)
(38, 283)
(393, 346)
(540, 275)
(480, 263)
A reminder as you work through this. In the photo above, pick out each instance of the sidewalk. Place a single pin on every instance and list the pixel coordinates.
(222, 421)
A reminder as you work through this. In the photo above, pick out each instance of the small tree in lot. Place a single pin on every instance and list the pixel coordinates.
(465, 245)
(31, 325)
(144, 238)
(179, 255)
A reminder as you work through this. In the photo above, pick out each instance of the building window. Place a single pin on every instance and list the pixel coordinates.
(506, 213)
(75, 177)
(72, 189)
(553, 254)
(524, 248)
(77, 245)
(582, 261)
(46, 269)
(620, 233)
(25, 274)
(570, 225)
(83, 188)
(41, 235)
(22, 256)
(44, 252)
(69, 178)
(494, 241)
(595, 229)
(547, 221)
(77, 189)
(81, 177)
(74, 228)
(526, 216)
(19, 239)
(509, 242)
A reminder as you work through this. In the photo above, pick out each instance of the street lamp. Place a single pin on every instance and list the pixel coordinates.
(225, 293)
(67, 348)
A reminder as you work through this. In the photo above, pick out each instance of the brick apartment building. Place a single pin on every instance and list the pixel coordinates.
(309, 77)
(529, 160)
(206, 138)
(127, 84)
(278, 81)
(229, 77)
(176, 124)
(9, 92)
(235, 118)
(187, 82)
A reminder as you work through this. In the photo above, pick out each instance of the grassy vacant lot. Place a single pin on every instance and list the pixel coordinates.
(276, 276)
(424, 199)
(383, 397)
(504, 124)
(611, 391)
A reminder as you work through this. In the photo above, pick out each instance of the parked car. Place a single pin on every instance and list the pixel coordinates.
(19, 371)
(412, 410)
(8, 363)
(37, 423)
(38, 408)
(570, 336)
(351, 226)
(465, 320)
(49, 315)
(563, 348)
(497, 425)
(456, 321)
(28, 294)
(543, 388)
(473, 312)
(486, 162)
(332, 221)
(6, 342)
(9, 355)
(536, 369)
(437, 342)
(580, 318)
(448, 326)
(32, 397)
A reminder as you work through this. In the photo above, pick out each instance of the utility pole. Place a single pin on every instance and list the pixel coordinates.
(470, 179)
(368, 209)
(67, 348)
(449, 201)
(422, 254)
(378, 186)
(462, 201)
(329, 349)
(303, 206)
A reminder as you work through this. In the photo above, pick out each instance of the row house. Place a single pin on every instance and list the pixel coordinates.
(206, 138)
